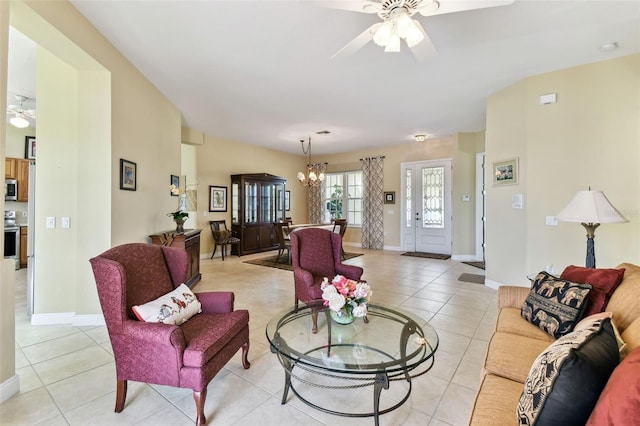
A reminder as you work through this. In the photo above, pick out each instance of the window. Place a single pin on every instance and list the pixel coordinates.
(337, 202)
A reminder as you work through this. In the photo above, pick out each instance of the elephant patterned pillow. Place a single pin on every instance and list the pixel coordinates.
(566, 379)
(175, 307)
(555, 305)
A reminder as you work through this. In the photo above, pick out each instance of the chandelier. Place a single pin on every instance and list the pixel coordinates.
(398, 25)
(315, 171)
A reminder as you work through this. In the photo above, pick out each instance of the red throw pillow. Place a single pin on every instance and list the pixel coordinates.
(619, 402)
(603, 283)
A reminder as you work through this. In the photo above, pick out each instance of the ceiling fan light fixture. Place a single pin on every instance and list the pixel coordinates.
(19, 122)
(414, 36)
(404, 24)
(383, 35)
(394, 43)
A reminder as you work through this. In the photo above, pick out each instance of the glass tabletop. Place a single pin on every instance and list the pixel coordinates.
(393, 340)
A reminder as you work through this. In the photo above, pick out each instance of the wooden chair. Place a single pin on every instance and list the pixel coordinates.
(284, 243)
(342, 224)
(222, 237)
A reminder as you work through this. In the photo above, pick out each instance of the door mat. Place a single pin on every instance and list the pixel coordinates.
(427, 255)
(472, 278)
(476, 264)
(272, 261)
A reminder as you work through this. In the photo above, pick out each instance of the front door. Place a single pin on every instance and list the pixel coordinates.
(426, 206)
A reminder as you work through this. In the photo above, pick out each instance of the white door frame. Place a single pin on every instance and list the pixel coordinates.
(480, 206)
(447, 195)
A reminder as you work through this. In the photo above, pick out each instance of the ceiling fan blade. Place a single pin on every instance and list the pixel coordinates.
(449, 6)
(365, 6)
(359, 42)
(425, 48)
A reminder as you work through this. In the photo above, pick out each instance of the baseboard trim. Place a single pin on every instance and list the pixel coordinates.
(465, 258)
(9, 387)
(492, 284)
(67, 318)
(393, 248)
(88, 320)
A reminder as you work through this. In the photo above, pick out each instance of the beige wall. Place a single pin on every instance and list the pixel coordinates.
(217, 159)
(9, 381)
(590, 137)
(460, 147)
(101, 95)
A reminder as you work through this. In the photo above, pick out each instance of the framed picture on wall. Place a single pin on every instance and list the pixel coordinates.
(175, 181)
(30, 147)
(128, 175)
(505, 172)
(217, 198)
(390, 197)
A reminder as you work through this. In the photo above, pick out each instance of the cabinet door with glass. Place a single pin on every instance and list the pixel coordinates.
(257, 200)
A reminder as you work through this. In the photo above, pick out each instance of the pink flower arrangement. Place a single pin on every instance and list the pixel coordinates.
(345, 293)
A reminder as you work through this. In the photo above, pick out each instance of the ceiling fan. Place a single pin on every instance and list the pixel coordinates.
(397, 22)
(21, 116)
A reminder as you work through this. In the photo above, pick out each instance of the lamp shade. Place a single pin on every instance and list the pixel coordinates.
(590, 207)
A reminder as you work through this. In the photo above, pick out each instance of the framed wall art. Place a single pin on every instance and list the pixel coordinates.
(175, 181)
(30, 147)
(217, 198)
(505, 172)
(390, 197)
(128, 175)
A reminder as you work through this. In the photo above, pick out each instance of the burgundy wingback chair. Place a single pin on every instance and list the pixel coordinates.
(187, 355)
(315, 254)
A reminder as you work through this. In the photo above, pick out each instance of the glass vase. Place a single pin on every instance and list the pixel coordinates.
(179, 225)
(343, 316)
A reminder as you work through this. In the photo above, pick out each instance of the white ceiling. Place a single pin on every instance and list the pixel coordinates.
(260, 71)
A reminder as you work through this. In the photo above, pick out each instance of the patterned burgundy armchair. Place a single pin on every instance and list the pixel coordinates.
(187, 355)
(317, 253)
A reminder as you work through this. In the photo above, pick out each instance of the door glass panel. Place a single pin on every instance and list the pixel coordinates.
(251, 202)
(235, 206)
(433, 197)
(407, 214)
(280, 213)
(267, 211)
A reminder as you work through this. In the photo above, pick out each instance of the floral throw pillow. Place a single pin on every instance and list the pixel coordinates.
(555, 305)
(174, 307)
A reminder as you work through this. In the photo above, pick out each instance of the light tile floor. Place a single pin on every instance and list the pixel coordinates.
(67, 374)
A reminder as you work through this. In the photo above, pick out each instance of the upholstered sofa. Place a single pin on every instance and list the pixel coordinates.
(516, 343)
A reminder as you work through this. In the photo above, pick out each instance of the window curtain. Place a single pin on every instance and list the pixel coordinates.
(372, 197)
(315, 203)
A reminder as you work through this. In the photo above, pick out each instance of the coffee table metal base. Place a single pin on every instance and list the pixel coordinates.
(380, 381)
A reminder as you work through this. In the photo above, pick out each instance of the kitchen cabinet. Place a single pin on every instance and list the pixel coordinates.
(189, 240)
(18, 169)
(23, 246)
(257, 201)
(10, 168)
(22, 176)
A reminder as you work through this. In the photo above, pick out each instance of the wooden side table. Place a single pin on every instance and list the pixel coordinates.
(188, 240)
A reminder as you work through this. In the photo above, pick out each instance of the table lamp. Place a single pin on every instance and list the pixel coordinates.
(591, 208)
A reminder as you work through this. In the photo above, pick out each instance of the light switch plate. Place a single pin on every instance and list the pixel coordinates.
(51, 222)
(516, 201)
(65, 222)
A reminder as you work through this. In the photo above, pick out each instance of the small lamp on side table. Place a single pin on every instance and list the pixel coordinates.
(590, 208)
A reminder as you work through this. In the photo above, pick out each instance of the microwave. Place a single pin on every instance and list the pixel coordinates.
(10, 190)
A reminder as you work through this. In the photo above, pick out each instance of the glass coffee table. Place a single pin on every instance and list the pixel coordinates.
(393, 346)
